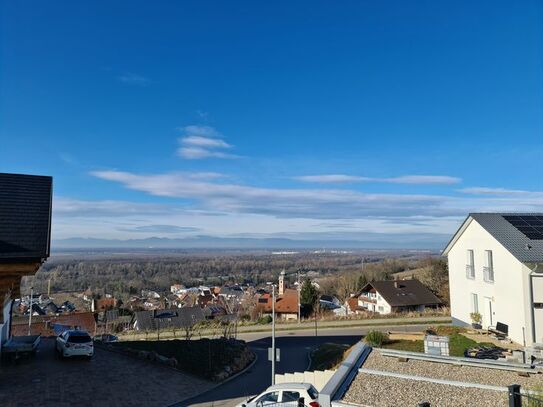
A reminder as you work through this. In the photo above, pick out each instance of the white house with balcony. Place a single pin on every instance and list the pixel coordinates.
(386, 297)
(496, 270)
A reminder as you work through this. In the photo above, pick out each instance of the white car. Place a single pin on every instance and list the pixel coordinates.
(287, 394)
(74, 343)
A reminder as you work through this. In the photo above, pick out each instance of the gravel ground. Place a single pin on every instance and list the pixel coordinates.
(450, 372)
(371, 390)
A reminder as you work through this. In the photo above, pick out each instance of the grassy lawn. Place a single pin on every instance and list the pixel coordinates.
(458, 344)
(327, 356)
(404, 344)
(205, 357)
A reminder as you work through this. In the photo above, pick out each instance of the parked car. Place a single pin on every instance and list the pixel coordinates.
(288, 394)
(74, 343)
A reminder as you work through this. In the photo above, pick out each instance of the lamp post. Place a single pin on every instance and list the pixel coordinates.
(273, 336)
(299, 291)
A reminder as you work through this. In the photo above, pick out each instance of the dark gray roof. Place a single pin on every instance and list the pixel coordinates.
(517, 243)
(187, 316)
(404, 293)
(25, 216)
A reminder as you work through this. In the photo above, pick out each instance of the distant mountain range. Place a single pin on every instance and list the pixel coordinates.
(431, 242)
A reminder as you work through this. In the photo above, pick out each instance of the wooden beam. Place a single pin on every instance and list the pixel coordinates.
(19, 267)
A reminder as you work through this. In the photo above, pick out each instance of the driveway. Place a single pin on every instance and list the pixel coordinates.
(109, 379)
(295, 347)
(294, 358)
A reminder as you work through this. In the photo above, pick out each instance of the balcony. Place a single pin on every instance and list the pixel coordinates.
(488, 274)
(470, 271)
(366, 298)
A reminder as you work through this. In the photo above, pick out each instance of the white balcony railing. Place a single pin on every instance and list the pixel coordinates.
(488, 274)
(470, 271)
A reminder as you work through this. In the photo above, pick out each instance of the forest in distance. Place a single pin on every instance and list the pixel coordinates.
(127, 273)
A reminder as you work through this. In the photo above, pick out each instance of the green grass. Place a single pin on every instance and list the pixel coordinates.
(458, 344)
(406, 345)
(327, 356)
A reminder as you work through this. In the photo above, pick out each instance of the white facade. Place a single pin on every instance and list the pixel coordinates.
(485, 277)
(377, 303)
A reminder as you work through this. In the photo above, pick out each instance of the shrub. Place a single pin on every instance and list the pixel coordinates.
(266, 319)
(476, 317)
(536, 399)
(376, 338)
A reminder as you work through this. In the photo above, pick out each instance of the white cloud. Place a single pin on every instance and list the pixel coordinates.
(405, 179)
(423, 179)
(202, 142)
(205, 142)
(163, 229)
(501, 192)
(332, 178)
(134, 79)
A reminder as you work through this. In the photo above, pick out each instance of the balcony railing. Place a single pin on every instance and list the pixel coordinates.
(470, 271)
(488, 274)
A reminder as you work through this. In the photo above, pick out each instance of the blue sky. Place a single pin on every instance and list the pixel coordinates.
(295, 119)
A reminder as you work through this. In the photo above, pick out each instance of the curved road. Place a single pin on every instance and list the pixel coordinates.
(295, 347)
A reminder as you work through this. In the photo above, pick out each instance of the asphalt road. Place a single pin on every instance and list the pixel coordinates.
(295, 347)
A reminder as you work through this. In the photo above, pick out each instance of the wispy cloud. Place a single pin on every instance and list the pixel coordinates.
(332, 178)
(309, 203)
(404, 179)
(423, 179)
(134, 79)
(160, 229)
(501, 192)
(202, 142)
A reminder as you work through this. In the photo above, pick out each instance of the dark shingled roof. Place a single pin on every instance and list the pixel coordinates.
(407, 293)
(517, 243)
(182, 317)
(25, 216)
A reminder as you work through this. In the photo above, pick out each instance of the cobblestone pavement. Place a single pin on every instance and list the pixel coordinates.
(109, 379)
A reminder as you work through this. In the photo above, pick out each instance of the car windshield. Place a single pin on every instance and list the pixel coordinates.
(79, 338)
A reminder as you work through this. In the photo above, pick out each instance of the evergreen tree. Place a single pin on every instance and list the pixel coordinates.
(309, 295)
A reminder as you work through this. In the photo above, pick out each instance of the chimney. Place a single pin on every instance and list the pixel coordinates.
(282, 283)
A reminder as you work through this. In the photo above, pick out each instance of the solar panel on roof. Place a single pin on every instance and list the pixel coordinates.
(530, 226)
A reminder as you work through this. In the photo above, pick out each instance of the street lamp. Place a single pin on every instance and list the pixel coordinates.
(272, 354)
(273, 334)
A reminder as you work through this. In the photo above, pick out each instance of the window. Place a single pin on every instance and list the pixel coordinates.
(268, 398)
(470, 266)
(488, 269)
(79, 339)
(312, 393)
(290, 396)
(474, 303)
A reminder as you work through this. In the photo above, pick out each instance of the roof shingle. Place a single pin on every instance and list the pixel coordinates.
(25, 216)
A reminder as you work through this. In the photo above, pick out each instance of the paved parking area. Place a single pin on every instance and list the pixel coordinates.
(109, 379)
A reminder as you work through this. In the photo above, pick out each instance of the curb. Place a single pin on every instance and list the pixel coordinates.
(178, 404)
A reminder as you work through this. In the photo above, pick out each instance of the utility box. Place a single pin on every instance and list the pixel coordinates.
(436, 345)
